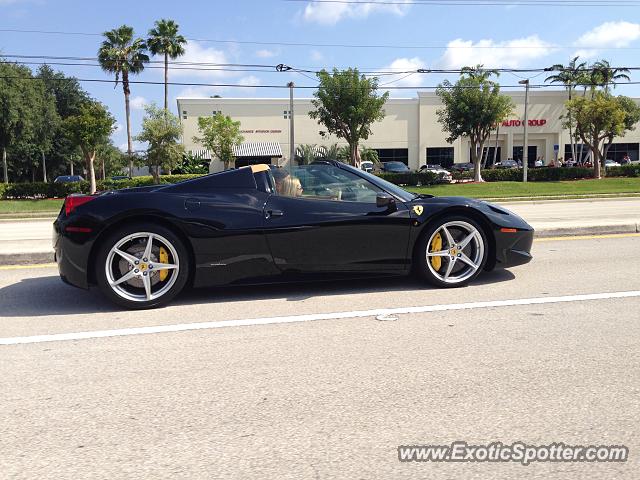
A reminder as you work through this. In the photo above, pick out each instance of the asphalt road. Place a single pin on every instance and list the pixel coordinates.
(329, 398)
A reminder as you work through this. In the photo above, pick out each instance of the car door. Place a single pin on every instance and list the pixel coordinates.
(329, 221)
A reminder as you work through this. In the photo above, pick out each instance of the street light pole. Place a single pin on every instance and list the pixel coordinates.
(292, 147)
(525, 148)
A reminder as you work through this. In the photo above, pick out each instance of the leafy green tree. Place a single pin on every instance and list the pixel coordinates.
(191, 164)
(471, 108)
(164, 40)
(162, 131)
(219, 134)
(46, 123)
(69, 97)
(110, 159)
(569, 76)
(89, 129)
(16, 115)
(347, 104)
(597, 118)
(631, 118)
(123, 55)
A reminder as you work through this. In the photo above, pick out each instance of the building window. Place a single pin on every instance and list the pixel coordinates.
(487, 155)
(184, 114)
(286, 114)
(217, 112)
(440, 156)
(393, 155)
(616, 152)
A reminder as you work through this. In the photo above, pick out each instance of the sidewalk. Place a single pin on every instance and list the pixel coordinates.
(28, 241)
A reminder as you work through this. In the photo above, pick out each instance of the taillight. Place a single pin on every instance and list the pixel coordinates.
(73, 201)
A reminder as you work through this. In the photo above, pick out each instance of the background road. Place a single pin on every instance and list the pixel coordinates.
(331, 398)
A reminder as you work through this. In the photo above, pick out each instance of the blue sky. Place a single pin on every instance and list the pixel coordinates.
(513, 36)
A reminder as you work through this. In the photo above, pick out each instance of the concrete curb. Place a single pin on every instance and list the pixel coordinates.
(588, 230)
(31, 258)
(37, 258)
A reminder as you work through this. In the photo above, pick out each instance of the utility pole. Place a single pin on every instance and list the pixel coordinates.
(292, 147)
(4, 165)
(525, 148)
(44, 168)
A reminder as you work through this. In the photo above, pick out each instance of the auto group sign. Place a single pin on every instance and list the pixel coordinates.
(519, 123)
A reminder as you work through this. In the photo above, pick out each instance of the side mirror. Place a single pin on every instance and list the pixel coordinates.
(385, 200)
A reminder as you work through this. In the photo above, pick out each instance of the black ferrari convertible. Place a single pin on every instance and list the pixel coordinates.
(259, 224)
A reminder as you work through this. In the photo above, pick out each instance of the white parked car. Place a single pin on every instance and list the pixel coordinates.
(367, 166)
(445, 175)
(611, 163)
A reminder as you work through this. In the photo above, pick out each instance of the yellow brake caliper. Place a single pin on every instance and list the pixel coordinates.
(436, 246)
(164, 258)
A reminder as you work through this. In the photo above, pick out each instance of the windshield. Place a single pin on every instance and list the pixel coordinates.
(385, 185)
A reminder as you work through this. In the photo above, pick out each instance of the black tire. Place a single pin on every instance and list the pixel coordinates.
(177, 280)
(426, 269)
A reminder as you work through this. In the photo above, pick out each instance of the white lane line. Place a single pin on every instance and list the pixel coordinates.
(184, 327)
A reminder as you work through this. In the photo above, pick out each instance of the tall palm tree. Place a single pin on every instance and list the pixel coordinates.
(164, 40)
(479, 73)
(569, 76)
(123, 55)
(605, 76)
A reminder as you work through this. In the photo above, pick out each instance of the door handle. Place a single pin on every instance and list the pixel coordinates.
(273, 213)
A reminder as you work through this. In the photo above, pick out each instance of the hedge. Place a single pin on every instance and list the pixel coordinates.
(411, 178)
(61, 190)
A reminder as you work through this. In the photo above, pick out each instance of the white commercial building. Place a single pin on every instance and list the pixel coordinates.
(409, 132)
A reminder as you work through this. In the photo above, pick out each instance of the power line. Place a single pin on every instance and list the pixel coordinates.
(236, 67)
(233, 85)
(344, 45)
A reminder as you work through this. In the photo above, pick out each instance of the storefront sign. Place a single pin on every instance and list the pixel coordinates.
(260, 131)
(519, 123)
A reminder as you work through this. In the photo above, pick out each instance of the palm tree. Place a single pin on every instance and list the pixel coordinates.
(123, 55)
(605, 76)
(479, 73)
(306, 154)
(164, 40)
(569, 76)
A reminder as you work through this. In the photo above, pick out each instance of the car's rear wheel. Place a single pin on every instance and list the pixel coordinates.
(142, 266)
(452, 252)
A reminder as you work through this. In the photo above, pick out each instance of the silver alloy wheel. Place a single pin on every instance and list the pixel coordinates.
(463, 254)
(134, 272)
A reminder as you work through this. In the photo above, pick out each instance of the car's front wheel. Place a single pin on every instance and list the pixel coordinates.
(452, 252)
(142, 266)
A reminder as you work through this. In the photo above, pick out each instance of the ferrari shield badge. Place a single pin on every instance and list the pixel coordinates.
(418, 209)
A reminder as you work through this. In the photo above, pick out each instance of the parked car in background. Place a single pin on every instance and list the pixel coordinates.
(507, 164)
(443, 175)
(367, 166)
(611, 163)
(68, 179)
(462, 167)
(119, 177)
(394, 167)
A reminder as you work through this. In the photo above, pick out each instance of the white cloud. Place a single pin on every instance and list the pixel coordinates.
(316, 56)
(492, 54)
(609, 34)
(332, 13)
(197, 53)
(403, 79)
(138, 103)
(264, 53)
